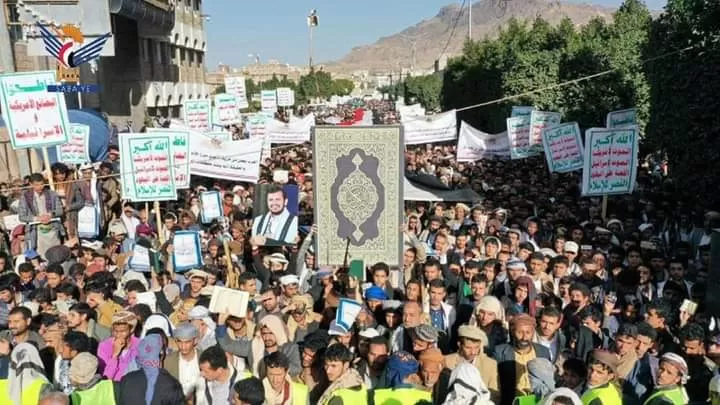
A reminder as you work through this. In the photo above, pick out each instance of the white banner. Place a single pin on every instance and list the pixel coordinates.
(474, 144)
(409, 112)
(234, 161)
(436, 128)
(285, 97)
(296, 131)
(77, 149)
(235, 85)
(228, 112)
(268, 100)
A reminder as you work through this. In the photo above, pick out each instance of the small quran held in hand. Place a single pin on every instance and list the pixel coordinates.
(233, 302)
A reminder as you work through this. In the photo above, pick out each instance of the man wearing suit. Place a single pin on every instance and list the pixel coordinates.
(277, 226)
(184, 364)
(514, 357)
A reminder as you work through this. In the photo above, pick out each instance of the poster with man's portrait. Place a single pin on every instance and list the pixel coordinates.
(276, 210)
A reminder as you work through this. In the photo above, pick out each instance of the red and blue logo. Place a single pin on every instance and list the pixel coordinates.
(71, 51)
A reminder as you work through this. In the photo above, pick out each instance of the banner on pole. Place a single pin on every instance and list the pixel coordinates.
(235, 85)
(285, 97)
(34, 116)
(518, 131)
(180, 148)
(228, 111)
(563, 147)
(474, 144)
(621, 118)
(435, 128)
(149, 172)
(198, 115)
(539, 120)
(521, 111)
(268, 101)
(77, 149)
(611, 158)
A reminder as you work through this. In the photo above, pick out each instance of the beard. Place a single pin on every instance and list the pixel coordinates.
(522, 344)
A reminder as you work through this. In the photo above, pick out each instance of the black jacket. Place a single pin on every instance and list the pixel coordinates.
(131, 389)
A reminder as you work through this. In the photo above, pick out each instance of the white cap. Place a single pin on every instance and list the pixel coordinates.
(198, 312)
(369, 333)
(289, 279)
(515, 263)
(571, 247)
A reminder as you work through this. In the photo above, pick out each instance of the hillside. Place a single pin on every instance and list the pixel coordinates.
(431, 36)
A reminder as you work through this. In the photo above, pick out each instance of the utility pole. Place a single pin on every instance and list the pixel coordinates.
(312, 22)
(470, 22)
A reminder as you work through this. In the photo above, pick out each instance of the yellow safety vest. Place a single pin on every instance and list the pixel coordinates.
(101, 393)
(29, 396)
(300, 394)
(350, 396)
(608, 394)
(401, 396)
(674, 395)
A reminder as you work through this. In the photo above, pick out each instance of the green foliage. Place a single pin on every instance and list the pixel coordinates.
(526, 57)
(425, 90)
(321, 85)
(343, 87)
(684, 122)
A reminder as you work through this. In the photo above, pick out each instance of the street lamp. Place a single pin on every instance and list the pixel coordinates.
(312, 22)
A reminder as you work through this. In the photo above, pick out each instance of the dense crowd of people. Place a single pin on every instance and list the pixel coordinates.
(532, 295)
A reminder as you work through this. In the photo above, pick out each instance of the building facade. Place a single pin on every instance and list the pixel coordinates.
(154, 60)
(179, 60)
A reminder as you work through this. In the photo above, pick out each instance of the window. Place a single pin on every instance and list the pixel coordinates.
(165, 56)
(158, 52)
(173, 54)
(149, 50)
(183, 56)
(196, 5)
(192, 57)
(200, 58)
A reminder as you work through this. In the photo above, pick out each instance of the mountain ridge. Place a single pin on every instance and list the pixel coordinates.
(421, 44)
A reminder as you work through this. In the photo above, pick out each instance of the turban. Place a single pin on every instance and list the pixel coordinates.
(83, 368)
(432, 356)
(522, 320)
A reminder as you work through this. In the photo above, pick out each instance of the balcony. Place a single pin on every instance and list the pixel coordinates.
(157, 14)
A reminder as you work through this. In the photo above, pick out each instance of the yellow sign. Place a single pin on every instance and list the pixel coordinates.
(67, 75)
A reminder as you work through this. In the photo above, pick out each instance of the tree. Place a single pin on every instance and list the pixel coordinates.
(426, 90)
(527, 57)
(320, 85)
(684, 122)
(343, 87)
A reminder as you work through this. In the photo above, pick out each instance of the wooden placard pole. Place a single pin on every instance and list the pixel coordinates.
(46, 161)
(158, 219)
